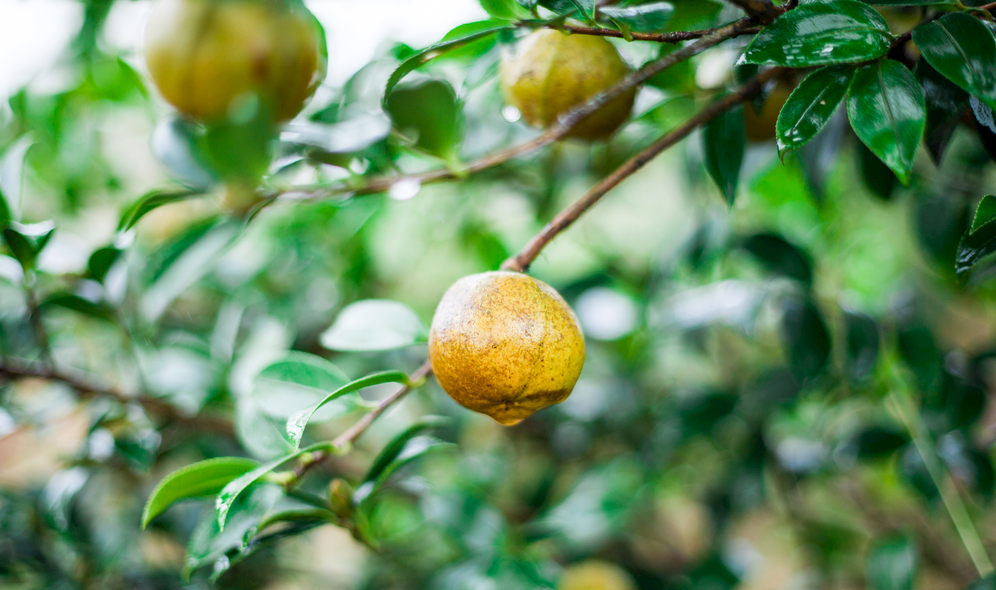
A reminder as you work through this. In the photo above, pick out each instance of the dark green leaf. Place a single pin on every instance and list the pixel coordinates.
(915, 472)
(297, 423)
(963, 50)
(879, 442)
(878, 178)
(205, 478)
(811, 105)
(27, 241)
(892, 565)
(820, 34)
(887, 113)
(374, 324)
(224, 546)
(945, 103)
(232, 490)
(428, 114)
(723, 141)
(919, 351)
(96, 310)
(862, 345)
(805, 339)
(980, 241)
(908, 2)
(151, 201)
(101, 261)
(413, 449)
(434, 51)
(650, 17)
(394, 448)
(780, 257)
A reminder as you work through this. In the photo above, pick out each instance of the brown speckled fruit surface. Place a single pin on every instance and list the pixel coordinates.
(505, 344)
(551, 73)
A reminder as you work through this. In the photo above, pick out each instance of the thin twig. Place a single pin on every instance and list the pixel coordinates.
(557, 131)
(562, 221)
(87, 388)
(670, 37)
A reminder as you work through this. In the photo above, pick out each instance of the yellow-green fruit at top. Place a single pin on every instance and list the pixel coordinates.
(550, 73)
(760, 126)
(595, 575)
(505, 344)
(203, 55)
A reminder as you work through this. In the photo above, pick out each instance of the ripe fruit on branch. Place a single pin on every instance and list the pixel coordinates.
(203, 55)
(505, 344)
(551, 73)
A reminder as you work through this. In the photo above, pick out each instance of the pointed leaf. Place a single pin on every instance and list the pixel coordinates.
(962, 49)
(151, 201)
(297, 423)
(887, 113)
(397, 444)
(811, 105)
(95, 309)
(980, 241)
(232, 490)
(101, 261)
(374, 324)
(723, 141)
(205, 478)
(820, 34)
(223, 547)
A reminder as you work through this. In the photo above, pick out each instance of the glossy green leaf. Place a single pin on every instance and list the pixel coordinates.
(222, 547)
(819, 34)
(150, 202)
(723, 141)
(374, 324)
(504, 9)
(980, 241)
(94, 309)
(294, 382)
(945, 103)
(204, 478)
(892, 565)
(297, 423)
(811, 105)
(434, 51)
(780, 257)
(232, 490)
(648, 18)
(887, 112)
(962, 49)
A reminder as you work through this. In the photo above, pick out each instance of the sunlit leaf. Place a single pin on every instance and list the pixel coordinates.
(205, 478)
(374, 324)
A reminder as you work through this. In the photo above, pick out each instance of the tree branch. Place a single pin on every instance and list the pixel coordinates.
(562, 221)
(87, 389)
(557, 131)
(671, 37)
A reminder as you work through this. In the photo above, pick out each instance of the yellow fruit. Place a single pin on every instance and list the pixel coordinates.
(205, 54)
(760, 126)
(551, 73)
(505, 344)
(595, 575)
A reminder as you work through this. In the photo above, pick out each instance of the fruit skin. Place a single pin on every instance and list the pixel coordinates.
(760, 126)
(595, 575)
(551, 73)
(505, 344)
(204, 54)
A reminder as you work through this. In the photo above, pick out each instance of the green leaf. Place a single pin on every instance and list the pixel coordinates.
(862, 345)
(963, 50)
(821, 34)
(723, 141)
(879, 442)
(259, 433)
(297, 423)
(887, 113)
(204, 478)
(811, 105)
(780, 257)
(294, 382)
(232, 490)
(307, 515)
(26, 241)
(151, 201)
(95, 309)
(878, 178)
(908, 2)
(372, 325)
(945, 103)
(225, 546)
(428, 114)
(648, 18)
(504, 9)
(101, 261)
(805, 339)
(381, 466)
(980, 241)
(11, 174)
(179, 146)
(434, 51)
(892, 565)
